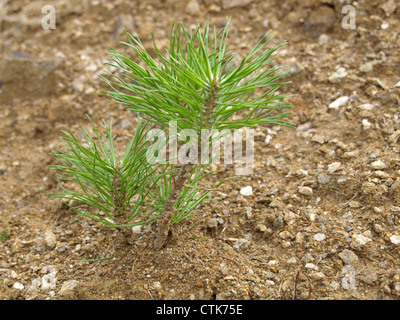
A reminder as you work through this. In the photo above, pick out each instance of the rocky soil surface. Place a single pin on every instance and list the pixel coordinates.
(321, 219)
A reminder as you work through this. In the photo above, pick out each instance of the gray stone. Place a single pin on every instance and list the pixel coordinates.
(348, 257)
(50, 239)
(333, 167)
(193, 7)
(389, 7)
(306, 191)
(285, 235)
(323, 178)
(369, 277)
(137, 229)
(242, 244)
(324, 39)
(338, 76)
(359, 241)
(366, 67)
(212, 223)
(368, 188)
(395, 239)
(394, 137)
(334, 285)
(349, 278)
(18, 285)
(338, 103)
(49, 280)
(68, 288)
(278, 222)
(229, 4)
(261, 227)
(294, 67)
(318, 138)
(318, 276)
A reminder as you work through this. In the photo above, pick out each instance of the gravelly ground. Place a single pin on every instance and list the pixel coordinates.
(323, 218)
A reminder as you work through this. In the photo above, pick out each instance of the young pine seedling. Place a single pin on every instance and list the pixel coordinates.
(192, 86)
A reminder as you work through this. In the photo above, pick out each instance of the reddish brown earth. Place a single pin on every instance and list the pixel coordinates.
(323, 221)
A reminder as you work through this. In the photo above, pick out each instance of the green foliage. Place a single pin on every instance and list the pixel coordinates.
(193, 84)
(4, 234)
(108, 182)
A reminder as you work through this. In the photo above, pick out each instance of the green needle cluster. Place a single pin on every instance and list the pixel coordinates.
(195, 85)
(117, 186)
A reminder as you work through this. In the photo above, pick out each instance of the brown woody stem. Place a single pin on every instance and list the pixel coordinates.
(185, 172)
(119, 212)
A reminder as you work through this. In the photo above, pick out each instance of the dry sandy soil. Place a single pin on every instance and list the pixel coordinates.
(323, 219)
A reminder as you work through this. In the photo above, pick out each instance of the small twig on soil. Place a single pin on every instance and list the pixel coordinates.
(346, 203)
(59, 215)
(309, 287)
(280, 288)
(222, 256)
(230, 239)
(152, 298)
(223, 229)
(295, 286)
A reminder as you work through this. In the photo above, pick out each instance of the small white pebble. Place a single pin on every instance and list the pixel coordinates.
(366, 106)
(157, 285)
(319, 237)
(318, 276)
(246, 191)
(378, 165)
(338, 103)
(395, 239)
(366, 124)
(136, 229)
(18, 286)
(334, 285)
(286, 244)
(333, 167)
(311, 266)
(337, 76)
(292, 260)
